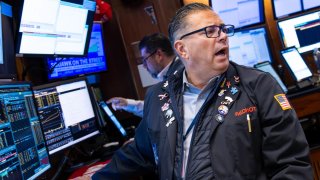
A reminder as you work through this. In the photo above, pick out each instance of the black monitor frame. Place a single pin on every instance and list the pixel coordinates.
(8, 68)
(293, 74)
(50, 69)
(92, 123)
(34, 120)
(273, 73)
(261, 8)
(286, 15)
(290, 18)
(89, 22)
(312, 8)
(267, 37)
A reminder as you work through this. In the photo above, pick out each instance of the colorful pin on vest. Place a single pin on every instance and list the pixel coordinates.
(223, 110)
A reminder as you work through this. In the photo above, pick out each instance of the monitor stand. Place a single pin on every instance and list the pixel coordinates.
(304, 83)
(316, 56)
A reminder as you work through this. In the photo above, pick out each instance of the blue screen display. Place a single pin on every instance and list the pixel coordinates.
(94, 62)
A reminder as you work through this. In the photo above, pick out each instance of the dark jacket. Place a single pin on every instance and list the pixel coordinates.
(270, 145)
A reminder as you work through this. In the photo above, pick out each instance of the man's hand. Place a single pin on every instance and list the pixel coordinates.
(118, 103)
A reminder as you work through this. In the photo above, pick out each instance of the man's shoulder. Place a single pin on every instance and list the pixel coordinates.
(248, 74)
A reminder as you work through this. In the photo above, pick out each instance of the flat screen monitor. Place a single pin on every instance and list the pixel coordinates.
(283, 8)
(7, 53)
(55, 27)
(239, 13)
(94, 62)
(301, 31)
(249, 47)
(308, 4)
(267, 67)
(296, 64)
(67, 113)
(23, 152)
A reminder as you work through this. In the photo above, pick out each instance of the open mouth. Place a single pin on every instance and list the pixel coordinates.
(222, 52)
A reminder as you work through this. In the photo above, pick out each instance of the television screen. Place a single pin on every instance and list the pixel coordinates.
(67, 113)
(239, 13)
(94, 62)
(7, 54)
(23, 152)
(249, 47)
(55, 27)
(282, 8)
(308, 4)
(296, 64)
(301, 31)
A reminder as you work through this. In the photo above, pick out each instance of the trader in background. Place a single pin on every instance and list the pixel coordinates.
(215, 119)
(160, 61)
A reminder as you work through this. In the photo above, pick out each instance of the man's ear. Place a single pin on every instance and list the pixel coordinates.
(181, 49)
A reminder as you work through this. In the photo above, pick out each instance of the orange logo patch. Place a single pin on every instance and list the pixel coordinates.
(245, 110)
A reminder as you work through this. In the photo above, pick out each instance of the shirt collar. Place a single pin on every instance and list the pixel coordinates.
(206, 88)
(163, 73)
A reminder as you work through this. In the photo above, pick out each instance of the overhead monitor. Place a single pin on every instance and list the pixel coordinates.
(94, 62)
(67, 113)
(239, 13)
(301, 31)
(309, 4)
(249, 47)
(267, 67)
(296, 64)
(23, 153)
(55, 27)
(7, 53)
(283, 8)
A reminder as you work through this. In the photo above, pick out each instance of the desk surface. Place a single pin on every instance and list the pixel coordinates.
(306, 102)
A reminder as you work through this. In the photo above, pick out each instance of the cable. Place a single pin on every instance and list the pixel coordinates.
(52, 68)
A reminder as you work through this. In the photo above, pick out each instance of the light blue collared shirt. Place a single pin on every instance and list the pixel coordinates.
(193, 99)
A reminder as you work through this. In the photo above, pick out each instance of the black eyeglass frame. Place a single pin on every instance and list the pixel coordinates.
(222, 26)
(144, 60)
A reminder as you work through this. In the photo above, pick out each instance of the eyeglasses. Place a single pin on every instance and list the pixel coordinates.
(144, 60)
(214, 31)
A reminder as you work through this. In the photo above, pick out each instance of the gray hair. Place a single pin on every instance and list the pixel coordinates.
(178, 21)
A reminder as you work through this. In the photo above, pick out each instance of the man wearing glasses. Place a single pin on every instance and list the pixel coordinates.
(214, 119)
(159, 59)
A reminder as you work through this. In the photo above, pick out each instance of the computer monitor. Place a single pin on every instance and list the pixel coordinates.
(301, 31)
(23, 153)
(67, 113)
(94, 62)
(7, 53)
(267, 67)
(296, 64)
(309, 4)
(283, 8)
(239, 13)
(52, 28)
(249, 47)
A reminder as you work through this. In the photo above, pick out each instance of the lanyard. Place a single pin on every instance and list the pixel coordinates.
(215, 86)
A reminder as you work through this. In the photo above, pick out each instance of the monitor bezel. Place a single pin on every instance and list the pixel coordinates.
(48, 70)
(312, 8)
(286, 15)
(262, 16)
(288, 67)
(267, 37)
(18, 37)
(28, 83)
(268, 63)
(94, 106)
(8, 68)
(290, 18)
